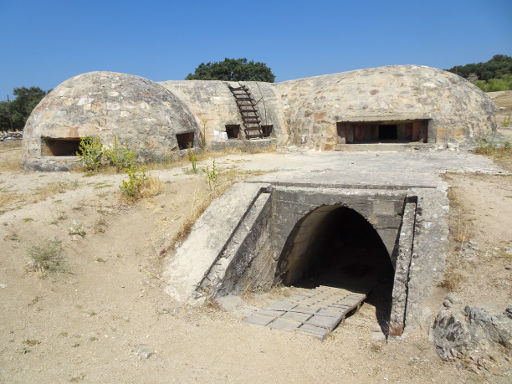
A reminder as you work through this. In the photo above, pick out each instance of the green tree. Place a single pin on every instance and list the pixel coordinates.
(233, 70)
(497, 67)
(14, 114)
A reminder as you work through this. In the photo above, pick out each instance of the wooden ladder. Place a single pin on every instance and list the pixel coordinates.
(247, 107)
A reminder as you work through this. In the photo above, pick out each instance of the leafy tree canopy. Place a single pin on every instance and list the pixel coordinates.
(497, 67)
(233, 70)
(14, 114)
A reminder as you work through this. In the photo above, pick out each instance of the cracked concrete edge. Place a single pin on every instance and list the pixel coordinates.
(429, 253)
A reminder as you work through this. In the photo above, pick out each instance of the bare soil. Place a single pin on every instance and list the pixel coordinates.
(107, 319)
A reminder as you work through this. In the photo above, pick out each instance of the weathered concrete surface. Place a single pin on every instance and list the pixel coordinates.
(215, 107)
(207, 240)
(402, 268)
(137, 111)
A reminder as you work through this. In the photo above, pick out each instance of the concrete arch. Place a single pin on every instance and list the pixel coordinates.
(333, 235)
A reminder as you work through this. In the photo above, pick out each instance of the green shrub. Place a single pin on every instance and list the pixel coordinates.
(90, 152)
(496, 84)
(131, 188)
(120, 156)
(212, 175)
(46, 257)
(192, 156)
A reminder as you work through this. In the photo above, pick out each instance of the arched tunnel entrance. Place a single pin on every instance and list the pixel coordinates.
(335, 246)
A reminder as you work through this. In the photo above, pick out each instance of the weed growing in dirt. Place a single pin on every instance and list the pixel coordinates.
(76, 229)
(46, 257)
(31, 342)
(131, 187)
(212, 176)
(90, 152)
(139, 184)
(502, 154)
(100, 226)
(120, 156)
(192, 156)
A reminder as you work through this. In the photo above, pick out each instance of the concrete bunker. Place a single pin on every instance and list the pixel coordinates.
(338, 236)
(393, 131)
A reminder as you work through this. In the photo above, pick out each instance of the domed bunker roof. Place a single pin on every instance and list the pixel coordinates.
(391, 103)
(143, 114)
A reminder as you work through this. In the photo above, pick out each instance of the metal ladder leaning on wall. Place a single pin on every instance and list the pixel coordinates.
(247, 107)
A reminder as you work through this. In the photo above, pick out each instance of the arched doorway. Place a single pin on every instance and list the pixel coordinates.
(335, 246)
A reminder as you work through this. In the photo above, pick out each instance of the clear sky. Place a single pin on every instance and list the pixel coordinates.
(45, 42)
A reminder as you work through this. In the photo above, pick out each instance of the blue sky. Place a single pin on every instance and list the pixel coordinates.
(45, 42)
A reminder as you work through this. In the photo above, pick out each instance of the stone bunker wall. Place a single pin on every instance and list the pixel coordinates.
(395, 103)
(136, 111)
(214, 106)
(455, 108)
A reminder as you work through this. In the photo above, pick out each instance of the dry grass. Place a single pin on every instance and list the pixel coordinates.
(45, 191)
(452, 280)
(7, 198)
(201, 202)
(206, 154)
(10, 155)
(500, 154)
(151, 187)
(460, 232)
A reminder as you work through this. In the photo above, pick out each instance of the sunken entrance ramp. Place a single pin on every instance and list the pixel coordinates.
(314, 312)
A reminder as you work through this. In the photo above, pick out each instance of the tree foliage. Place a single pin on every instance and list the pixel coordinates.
(497, 67)
(233, 70)
(14, 113)
(493, 75)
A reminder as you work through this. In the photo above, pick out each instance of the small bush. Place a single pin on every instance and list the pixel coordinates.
(46, 257)
(192, 156)
(120, 156)
(90, 152)
(131, 188)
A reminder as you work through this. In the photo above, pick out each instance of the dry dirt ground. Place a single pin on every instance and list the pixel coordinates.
(106, 318)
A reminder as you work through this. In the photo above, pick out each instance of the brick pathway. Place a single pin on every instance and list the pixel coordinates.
(315, 312)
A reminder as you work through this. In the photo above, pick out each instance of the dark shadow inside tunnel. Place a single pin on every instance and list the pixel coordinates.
(335, 246)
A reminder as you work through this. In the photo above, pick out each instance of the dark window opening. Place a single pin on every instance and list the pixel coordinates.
(185, 140)
(406, 131)
(233, 131)
(62, 146)
(335, 246)
(267, 130)
(387, 132)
